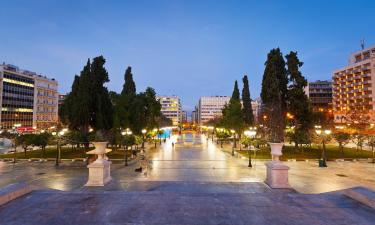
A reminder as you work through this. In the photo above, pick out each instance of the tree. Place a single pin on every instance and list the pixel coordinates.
(89, 104)
(274, 93)
(25, 140)
(129, 85)
(41, 140)
(101, 105)
(342, 139)
(358, 140)
(247, 110)
(300, 137)
(232, 115)
(298, 102)
(125, 106)
(371, 143)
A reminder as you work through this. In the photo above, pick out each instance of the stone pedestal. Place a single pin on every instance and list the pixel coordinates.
(277, 175)
(99, 173)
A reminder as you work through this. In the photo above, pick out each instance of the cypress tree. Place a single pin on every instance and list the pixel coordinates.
(247, 110)
(298, 102)
(232, 113)
(274, 94)
(82, 101)
(101, 105)
(126, 109)
(129, 85)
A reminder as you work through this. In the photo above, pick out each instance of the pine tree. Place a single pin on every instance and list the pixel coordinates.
(247, 110)
(274, 94)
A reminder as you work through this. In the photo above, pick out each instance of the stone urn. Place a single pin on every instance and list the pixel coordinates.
(276, 150)
(100, 169)
(100, 150)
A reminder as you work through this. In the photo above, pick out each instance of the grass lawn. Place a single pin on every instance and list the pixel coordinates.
(66, 153)
(290, 152)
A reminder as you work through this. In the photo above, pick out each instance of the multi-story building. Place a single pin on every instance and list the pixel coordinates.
(353, 88)
(61, 99)
(194, 115)
(26, 98)
(171, 108)
(320, 95)
(210, 107)
(255, 106)
(184, 116)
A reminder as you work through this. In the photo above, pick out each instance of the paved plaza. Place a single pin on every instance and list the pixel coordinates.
(191, 160)
(194, 182)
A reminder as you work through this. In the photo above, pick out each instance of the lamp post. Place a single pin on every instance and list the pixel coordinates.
(234, 141)
(323, 135)
(126, 133)
(250, 133)
(144, 131)
(58, 147)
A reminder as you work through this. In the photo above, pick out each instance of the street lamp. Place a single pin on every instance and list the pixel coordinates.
(58, 147)
(144, 131)
(234, 140)
(127, 132)
(250, 133)
(323, 135)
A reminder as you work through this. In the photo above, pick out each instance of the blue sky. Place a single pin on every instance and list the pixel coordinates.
(185, 48)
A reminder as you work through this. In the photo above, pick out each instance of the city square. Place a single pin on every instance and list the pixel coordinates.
(187, 112)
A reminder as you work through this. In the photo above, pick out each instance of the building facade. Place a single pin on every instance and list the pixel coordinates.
(353, 89)
(210, 107)
(320, 95)
(171, 108)
(26, 98)
(184, 117)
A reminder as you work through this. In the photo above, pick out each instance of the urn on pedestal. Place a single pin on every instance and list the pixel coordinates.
(99, 170)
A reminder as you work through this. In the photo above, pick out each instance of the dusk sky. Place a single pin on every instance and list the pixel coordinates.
(184, 48)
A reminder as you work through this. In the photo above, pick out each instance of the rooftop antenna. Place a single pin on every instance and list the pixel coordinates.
(363, 44)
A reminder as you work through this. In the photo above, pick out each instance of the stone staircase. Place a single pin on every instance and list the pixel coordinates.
(187, 203)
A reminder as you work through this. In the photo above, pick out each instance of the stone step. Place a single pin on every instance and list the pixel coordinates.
(190, 187)
(159, 207)
(362, 195)
(13, 191)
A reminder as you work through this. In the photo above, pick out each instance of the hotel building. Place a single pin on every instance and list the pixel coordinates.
(171, 108)
(320, 95)
(27, 99)
(353, 88)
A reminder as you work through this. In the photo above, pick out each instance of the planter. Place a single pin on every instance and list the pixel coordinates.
(276, 150)
(100, 147)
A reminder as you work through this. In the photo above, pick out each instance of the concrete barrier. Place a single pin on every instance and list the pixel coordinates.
(13, 191)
